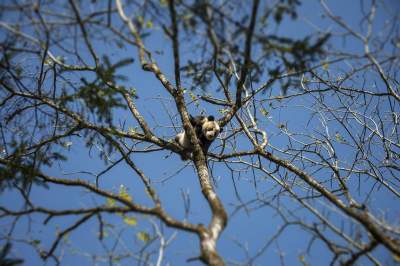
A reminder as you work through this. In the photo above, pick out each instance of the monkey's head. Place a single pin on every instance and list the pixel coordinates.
(210, 128)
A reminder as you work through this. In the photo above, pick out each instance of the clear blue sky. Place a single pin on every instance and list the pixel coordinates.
(252, 230)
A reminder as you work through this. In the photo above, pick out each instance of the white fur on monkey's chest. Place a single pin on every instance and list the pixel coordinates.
(183, 140)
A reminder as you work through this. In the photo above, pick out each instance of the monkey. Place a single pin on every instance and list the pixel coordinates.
(206, 129)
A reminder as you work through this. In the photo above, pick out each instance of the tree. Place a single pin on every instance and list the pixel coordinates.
(308, 163)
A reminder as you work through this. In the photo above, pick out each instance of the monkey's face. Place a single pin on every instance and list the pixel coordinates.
(210, 130)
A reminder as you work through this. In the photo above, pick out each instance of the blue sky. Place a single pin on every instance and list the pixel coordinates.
(251, 229)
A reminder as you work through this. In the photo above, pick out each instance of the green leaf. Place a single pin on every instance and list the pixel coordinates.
(223, 111)
(140, 19)
(132, 130)
(60, 58)
(110, 202)
(149, 24)
(143, 236)
(339, 138)
(264, 112)
(325, 66)
(124, 194)
(105, 234)
(66, 144)
(133, 92)
(48, 62)
(66, 238)
(191, 94)
(303, 261)
(36, 242)
(130, 220)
